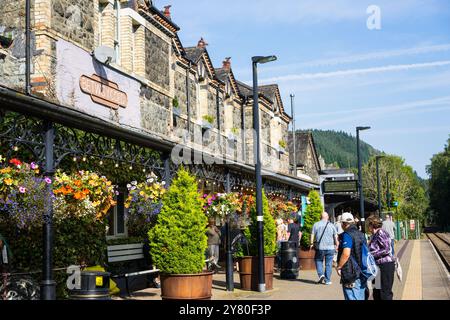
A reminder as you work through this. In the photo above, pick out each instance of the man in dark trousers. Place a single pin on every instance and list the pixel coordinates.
(350, 259)
(293, 231)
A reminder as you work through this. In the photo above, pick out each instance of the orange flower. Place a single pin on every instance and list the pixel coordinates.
(8, 181)
(85, 191)
(67, 190)
(79, 196)
(78, 183)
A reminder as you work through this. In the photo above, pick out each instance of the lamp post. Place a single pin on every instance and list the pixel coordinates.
(293, 134)
(257, 154)
(378, 186)
(388, 195)
(360, 183)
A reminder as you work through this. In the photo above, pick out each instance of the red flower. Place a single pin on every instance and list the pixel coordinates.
(15, 162)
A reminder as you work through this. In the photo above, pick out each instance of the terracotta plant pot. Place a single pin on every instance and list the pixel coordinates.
(186, 286)
(248, 272)
(306, 259)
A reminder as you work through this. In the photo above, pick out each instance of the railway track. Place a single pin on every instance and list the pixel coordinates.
(441, 241)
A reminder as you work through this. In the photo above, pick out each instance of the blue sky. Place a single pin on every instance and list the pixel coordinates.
(395, 79)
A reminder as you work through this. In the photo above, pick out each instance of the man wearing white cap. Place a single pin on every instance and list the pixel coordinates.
(350, 259)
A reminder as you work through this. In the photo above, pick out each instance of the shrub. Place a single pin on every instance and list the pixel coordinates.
(311, 216)
(209, 119)
(175, 102)
(270, 232)
(178, 241)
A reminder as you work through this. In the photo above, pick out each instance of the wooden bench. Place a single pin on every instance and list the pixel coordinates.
(128, 252)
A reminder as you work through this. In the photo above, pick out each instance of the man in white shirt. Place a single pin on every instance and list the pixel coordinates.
(389, 227)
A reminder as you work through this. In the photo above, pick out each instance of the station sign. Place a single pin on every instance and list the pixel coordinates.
(338, 186)
(103, 91)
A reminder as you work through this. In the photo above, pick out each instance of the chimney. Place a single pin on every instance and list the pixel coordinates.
(202, 43)
(227, 64)
(167, 12)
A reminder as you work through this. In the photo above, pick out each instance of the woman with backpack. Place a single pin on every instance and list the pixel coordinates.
(380, 248)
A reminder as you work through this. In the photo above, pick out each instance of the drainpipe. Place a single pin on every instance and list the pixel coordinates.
(218, 117)
(117, 40)
(244, 157)
(294, 135)
(28, 47)
(188, 100)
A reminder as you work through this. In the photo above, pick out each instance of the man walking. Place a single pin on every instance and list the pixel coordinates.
(293, 232)
(350, 259)
(389, 227)
(324, 235)
(214, 235)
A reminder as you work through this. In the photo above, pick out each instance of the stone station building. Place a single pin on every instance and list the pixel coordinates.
(122, 62)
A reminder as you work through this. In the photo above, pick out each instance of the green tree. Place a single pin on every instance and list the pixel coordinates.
(312, 215)
(404, 187)
(178, 241)
(270, 230)
(338, 147)
(439, 187)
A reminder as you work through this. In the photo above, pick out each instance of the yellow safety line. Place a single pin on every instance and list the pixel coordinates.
(413, 284)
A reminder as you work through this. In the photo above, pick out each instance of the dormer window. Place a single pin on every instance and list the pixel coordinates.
(228, 89)
(201, 71)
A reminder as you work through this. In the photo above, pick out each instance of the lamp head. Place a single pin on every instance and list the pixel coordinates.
(261, 60)
(362, 128)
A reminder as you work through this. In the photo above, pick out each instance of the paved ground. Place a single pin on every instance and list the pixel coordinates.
(424, 277)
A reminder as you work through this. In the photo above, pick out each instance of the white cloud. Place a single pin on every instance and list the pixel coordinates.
(351, 115)
(349, 59)
(352, 72)
(415, 130)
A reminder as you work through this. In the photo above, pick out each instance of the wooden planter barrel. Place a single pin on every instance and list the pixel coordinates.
(248, 272)
(306, 259)
(186, 286)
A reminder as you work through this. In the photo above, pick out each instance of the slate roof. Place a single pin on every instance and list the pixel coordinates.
(302, 144)
(245, 90)
(222, 74)
(194, 53)
(270, 91)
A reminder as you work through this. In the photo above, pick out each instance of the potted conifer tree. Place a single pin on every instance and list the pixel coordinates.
(248, 265)
(178, 242)
(312, 215)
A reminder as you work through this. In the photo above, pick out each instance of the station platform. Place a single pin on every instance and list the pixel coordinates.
(424, 278)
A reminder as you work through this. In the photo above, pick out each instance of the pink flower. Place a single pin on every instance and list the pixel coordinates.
(34, 166)
(205, 195)
(47, 180)
(22, 190)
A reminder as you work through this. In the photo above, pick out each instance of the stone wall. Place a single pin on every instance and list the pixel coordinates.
(180, 93)
(155, 111)
(265, 126)
(76, 20)
(157, 53)
(12, 15)
(212, 107)
(284, 132)
(12, 62)
(237, 118)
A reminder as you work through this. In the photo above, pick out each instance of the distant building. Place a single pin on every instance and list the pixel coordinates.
(309, 162)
